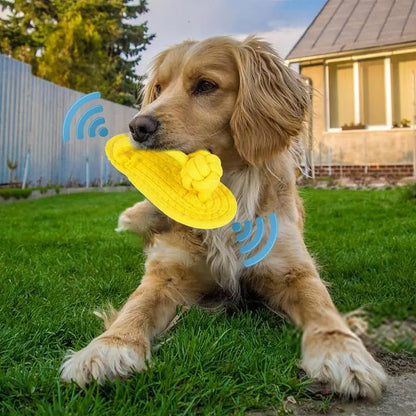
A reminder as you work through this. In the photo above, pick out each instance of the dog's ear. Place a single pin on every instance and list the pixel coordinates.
(148, 93)
(271, 104)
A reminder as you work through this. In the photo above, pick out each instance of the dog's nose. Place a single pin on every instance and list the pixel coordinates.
(143, 127)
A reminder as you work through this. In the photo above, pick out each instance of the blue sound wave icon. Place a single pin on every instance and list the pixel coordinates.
(247, 230)
(94, 125)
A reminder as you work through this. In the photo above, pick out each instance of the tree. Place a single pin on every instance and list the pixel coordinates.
(87, 45)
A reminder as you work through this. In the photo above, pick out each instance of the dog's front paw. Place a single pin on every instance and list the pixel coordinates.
(104, 359)
(125, 222)
(342, 361)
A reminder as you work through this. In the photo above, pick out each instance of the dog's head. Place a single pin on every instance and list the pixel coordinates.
(236, 99)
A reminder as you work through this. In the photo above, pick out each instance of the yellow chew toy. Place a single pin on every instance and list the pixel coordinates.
(186, 188)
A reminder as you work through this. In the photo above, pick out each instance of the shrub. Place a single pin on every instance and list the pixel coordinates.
(19, 193)
(409, 192)
(44, 189)
(15, 192)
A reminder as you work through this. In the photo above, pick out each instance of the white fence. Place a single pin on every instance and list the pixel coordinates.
(32, 113)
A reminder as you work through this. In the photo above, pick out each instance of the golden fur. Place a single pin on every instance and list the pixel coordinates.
(250, 120)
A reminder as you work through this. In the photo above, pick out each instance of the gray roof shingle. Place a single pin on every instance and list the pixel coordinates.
(347, 25)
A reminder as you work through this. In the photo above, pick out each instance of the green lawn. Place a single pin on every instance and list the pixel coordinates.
(60, 259)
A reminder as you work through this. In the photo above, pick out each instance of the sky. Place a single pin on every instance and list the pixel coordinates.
(281, 22)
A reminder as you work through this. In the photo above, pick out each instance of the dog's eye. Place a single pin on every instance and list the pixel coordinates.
(158, 90)
(204, 86)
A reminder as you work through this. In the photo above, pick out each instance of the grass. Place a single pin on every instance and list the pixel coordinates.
(405, 343)
(60, 259)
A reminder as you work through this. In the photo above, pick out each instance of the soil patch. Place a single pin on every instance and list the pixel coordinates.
(394, 363)
(399, 399)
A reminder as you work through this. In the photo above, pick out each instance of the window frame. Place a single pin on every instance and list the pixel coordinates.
(356, 59)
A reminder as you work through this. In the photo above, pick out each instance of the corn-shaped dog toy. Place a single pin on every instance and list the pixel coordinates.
(186, 188)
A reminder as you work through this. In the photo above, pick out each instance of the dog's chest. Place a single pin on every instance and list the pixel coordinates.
(223, 253)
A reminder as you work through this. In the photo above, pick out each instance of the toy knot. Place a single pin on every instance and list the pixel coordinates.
(201, 172)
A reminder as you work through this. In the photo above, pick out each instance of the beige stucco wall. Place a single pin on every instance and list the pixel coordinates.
(365, 147)
(361, 147)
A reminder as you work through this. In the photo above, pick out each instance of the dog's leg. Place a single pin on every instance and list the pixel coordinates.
(142, 218)
(125, 346)
(331, 352)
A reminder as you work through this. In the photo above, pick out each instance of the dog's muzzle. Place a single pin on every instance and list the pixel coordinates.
(143, 128)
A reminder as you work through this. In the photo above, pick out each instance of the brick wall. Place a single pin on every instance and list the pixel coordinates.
(360, 170)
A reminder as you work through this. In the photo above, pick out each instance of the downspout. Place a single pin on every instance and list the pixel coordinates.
(414, 122)
(310, 166)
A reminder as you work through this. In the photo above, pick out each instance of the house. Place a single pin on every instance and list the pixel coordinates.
(360, 57)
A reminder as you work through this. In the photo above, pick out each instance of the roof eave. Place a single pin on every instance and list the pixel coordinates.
(332, 55)
(306, 31)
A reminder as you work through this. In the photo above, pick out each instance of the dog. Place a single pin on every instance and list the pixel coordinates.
(238, 100)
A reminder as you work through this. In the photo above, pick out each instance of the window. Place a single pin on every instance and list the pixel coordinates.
(341, 94)
(372, 93)
(402, 69)
(377, 93)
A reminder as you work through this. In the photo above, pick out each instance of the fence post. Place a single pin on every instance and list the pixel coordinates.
(87, 173)
(102, 171)
(26, 170)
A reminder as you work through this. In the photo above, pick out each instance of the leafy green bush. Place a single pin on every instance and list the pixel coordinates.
(44, 189)
(15, 192)
(409, 192)
(19, 193)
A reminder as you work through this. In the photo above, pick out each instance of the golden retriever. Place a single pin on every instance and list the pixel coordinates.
(238, 100)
